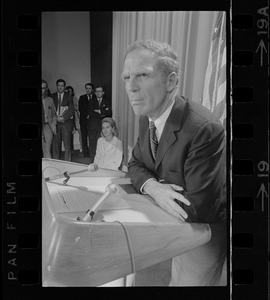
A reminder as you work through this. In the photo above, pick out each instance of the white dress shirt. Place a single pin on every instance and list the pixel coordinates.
(159, 123)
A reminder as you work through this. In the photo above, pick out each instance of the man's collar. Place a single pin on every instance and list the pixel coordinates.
(164, 116)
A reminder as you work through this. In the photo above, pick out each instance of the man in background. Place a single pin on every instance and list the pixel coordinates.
(99, 108)
(65, 109)
(179, 158)
(84, 109)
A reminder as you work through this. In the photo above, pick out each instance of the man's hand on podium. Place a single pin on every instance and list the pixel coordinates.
(164, 195)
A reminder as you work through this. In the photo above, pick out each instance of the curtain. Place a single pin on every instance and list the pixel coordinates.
(189, 34)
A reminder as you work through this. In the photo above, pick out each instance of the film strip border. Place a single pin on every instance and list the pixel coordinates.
(250, 162)
(21, 152)
(22, 200)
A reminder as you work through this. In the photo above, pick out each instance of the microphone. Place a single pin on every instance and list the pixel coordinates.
(67, 178)
(65, 174)
(110, 188)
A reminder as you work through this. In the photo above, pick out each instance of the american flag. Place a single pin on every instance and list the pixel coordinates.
(214, 92)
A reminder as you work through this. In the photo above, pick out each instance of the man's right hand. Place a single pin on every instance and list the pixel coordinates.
(164, 195)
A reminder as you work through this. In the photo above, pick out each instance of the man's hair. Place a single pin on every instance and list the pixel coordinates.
(166, 61)
(99, 87)
(92, 86)
(60, 80)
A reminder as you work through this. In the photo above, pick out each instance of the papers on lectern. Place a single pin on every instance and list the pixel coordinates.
(78, 198)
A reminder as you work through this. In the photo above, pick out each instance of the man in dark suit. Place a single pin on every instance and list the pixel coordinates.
(84, 109)
(180, 161)
(99, 108)
(65, 109)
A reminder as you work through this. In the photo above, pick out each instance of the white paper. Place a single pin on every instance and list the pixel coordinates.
(63, 109)
(71, 198)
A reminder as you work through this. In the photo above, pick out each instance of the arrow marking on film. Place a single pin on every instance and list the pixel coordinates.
(262, 191)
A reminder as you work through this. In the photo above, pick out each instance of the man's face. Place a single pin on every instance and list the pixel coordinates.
(99, 92)
(88, 89)
(145, 86)
(60, 87)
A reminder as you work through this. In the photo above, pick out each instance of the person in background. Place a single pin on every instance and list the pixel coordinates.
(84, 110)
(76, 117)
(65, 110)
(109, 153)
(49, 120)
(99, 108)
(179, 158)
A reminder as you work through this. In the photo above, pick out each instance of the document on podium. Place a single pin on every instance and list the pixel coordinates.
(70, 198)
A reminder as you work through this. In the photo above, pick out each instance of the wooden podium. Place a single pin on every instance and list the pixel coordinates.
(76, 253)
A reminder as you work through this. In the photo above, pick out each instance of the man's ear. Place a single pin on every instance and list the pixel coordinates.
(172, 81)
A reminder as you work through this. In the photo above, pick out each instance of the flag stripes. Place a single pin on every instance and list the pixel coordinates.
(214, 93)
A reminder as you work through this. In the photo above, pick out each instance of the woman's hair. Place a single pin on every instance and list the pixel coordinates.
(112, 123)
(46, 93)
(69, 87)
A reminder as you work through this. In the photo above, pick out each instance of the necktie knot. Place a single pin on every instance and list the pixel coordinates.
(152, 125)
(153, 139)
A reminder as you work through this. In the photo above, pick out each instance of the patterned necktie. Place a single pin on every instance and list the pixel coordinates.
(153, 139)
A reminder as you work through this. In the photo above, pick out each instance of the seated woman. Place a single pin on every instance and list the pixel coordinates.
(109, 152)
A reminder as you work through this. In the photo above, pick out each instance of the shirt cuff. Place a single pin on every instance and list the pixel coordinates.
(141, 189)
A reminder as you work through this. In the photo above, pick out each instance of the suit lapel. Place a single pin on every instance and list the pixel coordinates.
(87, 103)
(55, 100)
(173, 124)
(63, 103)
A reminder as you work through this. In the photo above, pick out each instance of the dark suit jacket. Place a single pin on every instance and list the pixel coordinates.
(84, 106)
(191, 153)
(94, 117)
(66, 101)
(105, 108)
